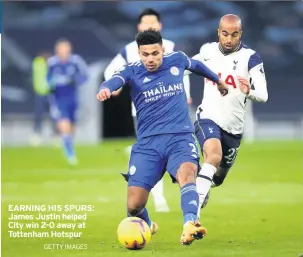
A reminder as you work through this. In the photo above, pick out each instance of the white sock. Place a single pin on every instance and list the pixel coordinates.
(203, 182)
(159, 199)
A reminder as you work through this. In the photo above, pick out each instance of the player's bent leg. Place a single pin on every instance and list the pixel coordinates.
(182, 164)
(209, 136)
(145, 170)
(136, 201)
(186, 176)
(147, 166)
(66, 130)
(212, 152)
(186, 173)
(230, 146)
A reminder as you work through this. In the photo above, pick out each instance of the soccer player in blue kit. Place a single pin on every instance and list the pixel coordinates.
(66, 72)
(165, 138)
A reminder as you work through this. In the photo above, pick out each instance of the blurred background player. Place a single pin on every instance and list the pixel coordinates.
(148, 19)
(66, 72)
(220, 120)
(42, 97)
(165, 139)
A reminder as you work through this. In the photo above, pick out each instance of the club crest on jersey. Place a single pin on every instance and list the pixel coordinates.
(174, 70)
(235, 65)
(132, 170)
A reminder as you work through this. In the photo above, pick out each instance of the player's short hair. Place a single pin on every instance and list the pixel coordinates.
(149, 11)
(149, 37)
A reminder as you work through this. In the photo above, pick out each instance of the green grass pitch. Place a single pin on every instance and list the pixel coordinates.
(256, 213)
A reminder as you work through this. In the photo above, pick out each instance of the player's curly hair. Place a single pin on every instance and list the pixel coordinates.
(148, 37)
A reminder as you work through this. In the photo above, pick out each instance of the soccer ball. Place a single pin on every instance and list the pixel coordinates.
(133, 233)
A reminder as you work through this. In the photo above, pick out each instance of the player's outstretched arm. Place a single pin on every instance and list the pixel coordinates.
(119, 79)
(200, 69)
(188, 72)
(110, 86)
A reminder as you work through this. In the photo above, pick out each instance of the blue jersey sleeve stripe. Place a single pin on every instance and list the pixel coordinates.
(254, 60)
(123, 54)
(117, 76)
(201, 69)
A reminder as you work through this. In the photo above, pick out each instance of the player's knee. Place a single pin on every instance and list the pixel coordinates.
(214, 158)
(187, 173)
(64, 126)
(136, 200)
(134, 209)
(212, 152)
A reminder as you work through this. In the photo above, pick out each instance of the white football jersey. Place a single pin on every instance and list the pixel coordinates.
(228, 111)
(130, 54)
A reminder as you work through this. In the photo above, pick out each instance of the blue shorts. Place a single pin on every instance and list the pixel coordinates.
(206, 129)
(152, 156)
(64, 110)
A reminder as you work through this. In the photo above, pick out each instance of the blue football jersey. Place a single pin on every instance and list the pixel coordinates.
(159, 96)
(64, 77)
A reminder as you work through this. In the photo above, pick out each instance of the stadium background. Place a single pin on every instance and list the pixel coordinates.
(259, 208)
(99, 30)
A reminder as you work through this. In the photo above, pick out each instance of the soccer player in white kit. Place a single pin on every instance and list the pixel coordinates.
(220, 120)
(148, 19)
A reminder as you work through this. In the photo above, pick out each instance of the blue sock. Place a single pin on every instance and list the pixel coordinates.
(143, 215)
(189, 202)
(68, 145)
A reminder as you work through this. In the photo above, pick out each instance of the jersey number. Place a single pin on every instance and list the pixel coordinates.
(231, 156)
(194, 150)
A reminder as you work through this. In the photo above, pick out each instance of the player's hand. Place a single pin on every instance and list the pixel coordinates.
(103, 94)
(117, 92)
(244, 85)
(189, 100)
(222, 87)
